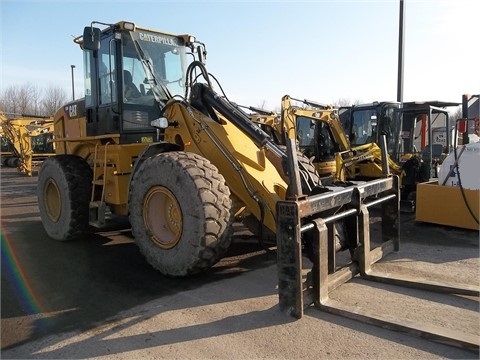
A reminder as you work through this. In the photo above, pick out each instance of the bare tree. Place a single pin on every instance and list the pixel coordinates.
(262, 104)
(53, 98)
(9, 100)
(24, 98)
(36, 95)
(28, 99)
(344, 102)
(455, 114)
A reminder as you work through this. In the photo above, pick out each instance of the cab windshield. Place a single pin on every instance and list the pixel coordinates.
(315, 139)
(364, 126)
(369, 124)
(156, 63)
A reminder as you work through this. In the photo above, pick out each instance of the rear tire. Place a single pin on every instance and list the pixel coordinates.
(63, 191)
(180, 212)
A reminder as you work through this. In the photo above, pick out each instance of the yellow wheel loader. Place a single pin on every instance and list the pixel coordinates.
(184, 163)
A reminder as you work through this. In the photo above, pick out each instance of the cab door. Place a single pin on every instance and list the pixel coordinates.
(102, 99)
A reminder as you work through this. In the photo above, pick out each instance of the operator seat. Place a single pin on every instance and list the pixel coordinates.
(130, 90)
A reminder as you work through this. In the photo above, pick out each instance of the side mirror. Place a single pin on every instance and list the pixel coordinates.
(202, 54)
(91, 38)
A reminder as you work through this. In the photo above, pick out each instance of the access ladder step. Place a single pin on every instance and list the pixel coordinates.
(97, 212)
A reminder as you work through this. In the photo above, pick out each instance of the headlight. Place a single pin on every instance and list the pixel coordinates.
(161, 123)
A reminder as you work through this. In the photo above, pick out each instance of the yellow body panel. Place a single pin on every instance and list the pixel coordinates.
(68, 128)
(111, 162)
(248, 172)
(112, 167)
(445, 205)
(326, 168)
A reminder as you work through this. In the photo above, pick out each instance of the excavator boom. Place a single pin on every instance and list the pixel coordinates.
(30, 138)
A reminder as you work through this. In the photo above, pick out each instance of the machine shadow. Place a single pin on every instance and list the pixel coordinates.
(78, 284)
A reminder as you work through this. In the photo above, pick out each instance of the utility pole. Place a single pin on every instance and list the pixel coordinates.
(73, 83)
(401, 34)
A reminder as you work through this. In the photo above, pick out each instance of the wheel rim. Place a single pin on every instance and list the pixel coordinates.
(53, 203)
(162, 216)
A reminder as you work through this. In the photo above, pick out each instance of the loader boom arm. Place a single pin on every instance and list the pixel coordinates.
(254, 166)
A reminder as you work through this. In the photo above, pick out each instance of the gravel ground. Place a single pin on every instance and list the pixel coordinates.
(233, 311)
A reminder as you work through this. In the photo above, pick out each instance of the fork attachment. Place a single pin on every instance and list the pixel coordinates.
(302, 285)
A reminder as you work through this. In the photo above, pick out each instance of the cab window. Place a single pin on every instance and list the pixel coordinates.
(107, 84)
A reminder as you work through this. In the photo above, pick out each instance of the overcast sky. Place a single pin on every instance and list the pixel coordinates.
(262, 50)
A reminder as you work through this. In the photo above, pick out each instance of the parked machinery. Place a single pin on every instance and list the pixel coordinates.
(458, 185)
(109, 152)
(419, 135)
(27, 139)
(167, 157)
(6, 146)
(182, 161)
(320, 136)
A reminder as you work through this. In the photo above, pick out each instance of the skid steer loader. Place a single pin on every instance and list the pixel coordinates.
(182, 162)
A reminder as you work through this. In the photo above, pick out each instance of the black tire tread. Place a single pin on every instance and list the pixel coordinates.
(211, 201)
(75, 175)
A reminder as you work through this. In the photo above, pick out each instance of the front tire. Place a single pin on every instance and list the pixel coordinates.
(63, 191)
(180, 212)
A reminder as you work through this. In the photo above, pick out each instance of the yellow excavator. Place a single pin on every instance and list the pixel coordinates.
(183, 163)
(6, 149)
(28, 140)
